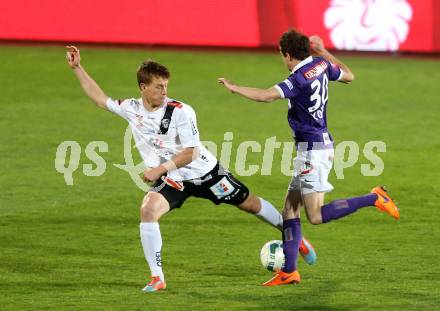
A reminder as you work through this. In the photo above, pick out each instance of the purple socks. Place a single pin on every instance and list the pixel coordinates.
(291, 241)
(340, 208)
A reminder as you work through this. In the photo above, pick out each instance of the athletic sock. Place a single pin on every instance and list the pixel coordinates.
(291, 241)
(270, 214)
(151, 240)
(340, 208)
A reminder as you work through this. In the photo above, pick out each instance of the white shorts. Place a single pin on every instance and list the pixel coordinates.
(311, 170)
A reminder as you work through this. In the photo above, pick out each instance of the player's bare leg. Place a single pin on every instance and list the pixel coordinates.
(252, 204)
(268, 213)
(313, 203)
(153, 207)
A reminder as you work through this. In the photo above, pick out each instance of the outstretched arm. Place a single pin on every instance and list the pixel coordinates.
(259, 95)
(90, 87)
(317, 46)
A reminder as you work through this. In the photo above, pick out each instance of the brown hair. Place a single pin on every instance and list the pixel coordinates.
(296, 44)
(149, 69)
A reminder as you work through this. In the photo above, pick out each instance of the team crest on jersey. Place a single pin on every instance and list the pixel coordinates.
(316, 70)
(222, 188)
(166, 123)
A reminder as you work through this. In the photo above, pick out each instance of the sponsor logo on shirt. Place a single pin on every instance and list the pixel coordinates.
(139, 118)
(204, 158)
(134, 103)
(316, 70)
(222, 188)
(158, 143)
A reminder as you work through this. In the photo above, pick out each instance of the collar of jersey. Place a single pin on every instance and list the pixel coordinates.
(167, 100)
(302, 63)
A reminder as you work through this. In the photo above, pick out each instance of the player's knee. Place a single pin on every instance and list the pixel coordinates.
(149, 213)
(315, 219)
(151, 208)
(290, 213)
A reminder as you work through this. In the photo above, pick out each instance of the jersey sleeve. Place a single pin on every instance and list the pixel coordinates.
(335, 73)
(186, 125)
(287, 89)
(116, 106)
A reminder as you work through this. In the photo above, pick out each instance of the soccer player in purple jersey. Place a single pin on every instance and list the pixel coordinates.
(306, 89)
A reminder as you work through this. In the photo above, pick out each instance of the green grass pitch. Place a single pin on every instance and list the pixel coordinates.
(77, 247)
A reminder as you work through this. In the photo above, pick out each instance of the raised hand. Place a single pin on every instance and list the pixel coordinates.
(228, 84)
(73, 57)
(317, 45)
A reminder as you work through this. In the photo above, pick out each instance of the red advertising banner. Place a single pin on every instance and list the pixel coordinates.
(373, 25)
(177, 22)
(436, 25)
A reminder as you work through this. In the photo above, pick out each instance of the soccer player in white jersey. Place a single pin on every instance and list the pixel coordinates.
(166, 134)
(306, 89)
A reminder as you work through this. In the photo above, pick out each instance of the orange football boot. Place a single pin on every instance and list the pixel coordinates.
(384, 203)
(155, 285)
(281, 278)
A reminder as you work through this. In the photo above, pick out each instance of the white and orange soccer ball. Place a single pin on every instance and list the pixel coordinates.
(272, 256)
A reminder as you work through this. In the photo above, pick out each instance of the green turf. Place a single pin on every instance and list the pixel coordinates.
(77, 247)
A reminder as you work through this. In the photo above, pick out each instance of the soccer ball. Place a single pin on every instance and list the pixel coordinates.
(272, 256)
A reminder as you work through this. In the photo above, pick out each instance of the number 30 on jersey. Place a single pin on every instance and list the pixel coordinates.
(319, 97)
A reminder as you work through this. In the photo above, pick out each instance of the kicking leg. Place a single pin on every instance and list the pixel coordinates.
(318, 213)
(263, 210)
(268, 213)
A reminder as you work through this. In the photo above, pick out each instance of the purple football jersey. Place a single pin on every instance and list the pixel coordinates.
(307, 91)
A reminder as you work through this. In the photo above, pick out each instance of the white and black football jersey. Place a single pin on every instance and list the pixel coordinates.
(159, 138)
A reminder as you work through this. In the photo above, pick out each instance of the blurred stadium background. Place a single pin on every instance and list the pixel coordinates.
(383, 25)
(76, 247)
